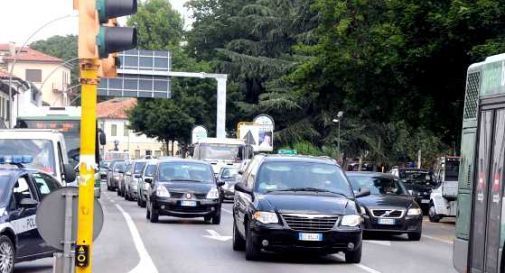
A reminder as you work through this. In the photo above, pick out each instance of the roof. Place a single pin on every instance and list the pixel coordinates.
(177, 159)
(115, 108)
(212, 140)
(306, 158)
(28, 54)
(372, 174)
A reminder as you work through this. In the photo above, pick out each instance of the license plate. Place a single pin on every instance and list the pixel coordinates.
(425, 201)
(188, 203)
(310, 237)
(386, 221)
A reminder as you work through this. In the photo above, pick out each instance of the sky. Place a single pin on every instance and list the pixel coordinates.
(21, 18)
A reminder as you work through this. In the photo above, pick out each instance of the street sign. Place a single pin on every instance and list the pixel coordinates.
(51, 217)
(287, 152)
(82, 255)
(139, 76)
(258, 133)
(198, 133)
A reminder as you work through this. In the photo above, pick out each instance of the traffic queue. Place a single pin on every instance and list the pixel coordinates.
(281, 203)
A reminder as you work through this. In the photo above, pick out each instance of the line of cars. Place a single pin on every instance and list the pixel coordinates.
(280, 203)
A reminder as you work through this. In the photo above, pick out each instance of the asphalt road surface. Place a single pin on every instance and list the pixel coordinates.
(130, 243)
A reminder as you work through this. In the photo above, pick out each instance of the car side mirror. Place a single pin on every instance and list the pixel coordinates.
(28, 203)
(220, 183)
(69, 173)
(240, 172)
(128, 173)
(137, 175)
(241, 187)
(148, 180)
(363, 193)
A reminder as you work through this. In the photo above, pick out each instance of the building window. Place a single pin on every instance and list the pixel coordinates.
(157, 153)
(149, 152)
(113, 130)
(126, 131)
(33, 75)
(137, 154)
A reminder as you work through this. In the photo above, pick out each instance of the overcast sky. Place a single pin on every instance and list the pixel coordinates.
(20, 18)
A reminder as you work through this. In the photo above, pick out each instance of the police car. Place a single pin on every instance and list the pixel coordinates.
(21, 190)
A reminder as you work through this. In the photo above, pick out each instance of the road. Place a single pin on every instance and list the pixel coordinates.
(130, 243)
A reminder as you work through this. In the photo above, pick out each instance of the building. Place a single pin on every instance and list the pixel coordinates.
(49, 74)
(113, 120)
(26, 98)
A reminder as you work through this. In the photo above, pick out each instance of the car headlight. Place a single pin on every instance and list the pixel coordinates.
(351, 220)
(161, 191)
(414, 212)
(266, 217)
(363, 209)
(213, 194)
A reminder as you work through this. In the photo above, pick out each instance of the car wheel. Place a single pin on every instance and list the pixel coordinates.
(432, 214)
(216, 219)
(353, 257)
(238, 241)
(118, 192)
(252, 251)
(155, 214)
(7, 255)
(142, 203)
(138, 202)
(148, 213)
(415, 236)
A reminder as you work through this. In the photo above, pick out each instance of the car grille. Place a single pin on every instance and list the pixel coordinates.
(387, 213)
(180, 195)
(310, 223)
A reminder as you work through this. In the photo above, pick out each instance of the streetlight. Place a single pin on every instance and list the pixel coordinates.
(338, 120)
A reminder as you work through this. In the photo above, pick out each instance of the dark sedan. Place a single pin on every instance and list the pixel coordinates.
(419, 183)
(296, 203)
(389, 208)
(184, 188)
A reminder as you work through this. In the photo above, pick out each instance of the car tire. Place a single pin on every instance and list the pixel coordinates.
(148, 213)
(252, 251)
(216, 219)
(138, 202)
(414, 236)
(353, 257)
(8, 253)
(118, 192)
(143, 204)
(238, 241)
(155, 214)
(434, 218)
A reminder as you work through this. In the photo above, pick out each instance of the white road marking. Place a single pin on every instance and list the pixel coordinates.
(382, 243)
(216, 236)
(227, 211)
(146, 264)
(438, 239)
(366, 268)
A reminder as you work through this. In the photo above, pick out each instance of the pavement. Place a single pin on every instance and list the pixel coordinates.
(129, 243)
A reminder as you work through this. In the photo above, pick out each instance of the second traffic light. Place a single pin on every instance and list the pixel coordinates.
(111, 39)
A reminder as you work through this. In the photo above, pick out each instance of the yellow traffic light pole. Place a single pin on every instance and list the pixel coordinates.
(89, 82)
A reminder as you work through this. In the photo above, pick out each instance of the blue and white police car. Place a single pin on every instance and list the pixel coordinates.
(21, 190)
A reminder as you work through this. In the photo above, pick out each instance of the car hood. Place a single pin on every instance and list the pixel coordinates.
(391, 201)
(417, 187)
(190, 187)
(306, 204)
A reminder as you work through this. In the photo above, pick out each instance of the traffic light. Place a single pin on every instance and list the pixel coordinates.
(111, 39)
(108, 66)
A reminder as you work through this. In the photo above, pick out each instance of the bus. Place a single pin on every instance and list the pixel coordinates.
(480, 222)
(222, 151)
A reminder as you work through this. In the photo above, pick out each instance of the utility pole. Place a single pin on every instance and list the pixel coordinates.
(96, 47)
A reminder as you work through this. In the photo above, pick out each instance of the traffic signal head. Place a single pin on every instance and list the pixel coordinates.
(108, 9)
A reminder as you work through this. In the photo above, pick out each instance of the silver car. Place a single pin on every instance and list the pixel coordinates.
(131, 179)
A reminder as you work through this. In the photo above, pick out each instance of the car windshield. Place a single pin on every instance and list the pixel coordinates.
(150, 170)
(418, 177)
(139, 166)
(41, 150)
(377, 185)
(120, 166)
(229, 173)
(298, 176)
(451, 170)
(219, 152)
(185, 171)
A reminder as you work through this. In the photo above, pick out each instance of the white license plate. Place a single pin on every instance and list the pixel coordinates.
(188, 203)
(425, 201)
(310, 237)
(386, 221)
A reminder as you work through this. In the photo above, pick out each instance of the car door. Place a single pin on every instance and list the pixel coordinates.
(23, 219)
(244, 200)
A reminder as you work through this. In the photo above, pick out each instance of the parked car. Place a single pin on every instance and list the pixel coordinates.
(419, 182)
(143, 188)
(111, 181)
(296, 203)
(131, 178)
(389, 208)
(103, 168)
(228, 176)
(121, 187)
(184, 188)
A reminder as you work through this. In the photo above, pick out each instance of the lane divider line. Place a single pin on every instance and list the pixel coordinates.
(438, 239)
(360, 266)
(382, 243)
(146, 264)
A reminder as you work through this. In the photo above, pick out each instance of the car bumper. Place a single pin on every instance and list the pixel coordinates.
(423, 201)
(281, 239)
(173, 207)
(408, 224)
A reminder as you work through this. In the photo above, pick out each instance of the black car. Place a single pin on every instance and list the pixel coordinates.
(21, 191)
(184, 188)
(419, 183)
(296, 203)
(228, 176)
(389, 208)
